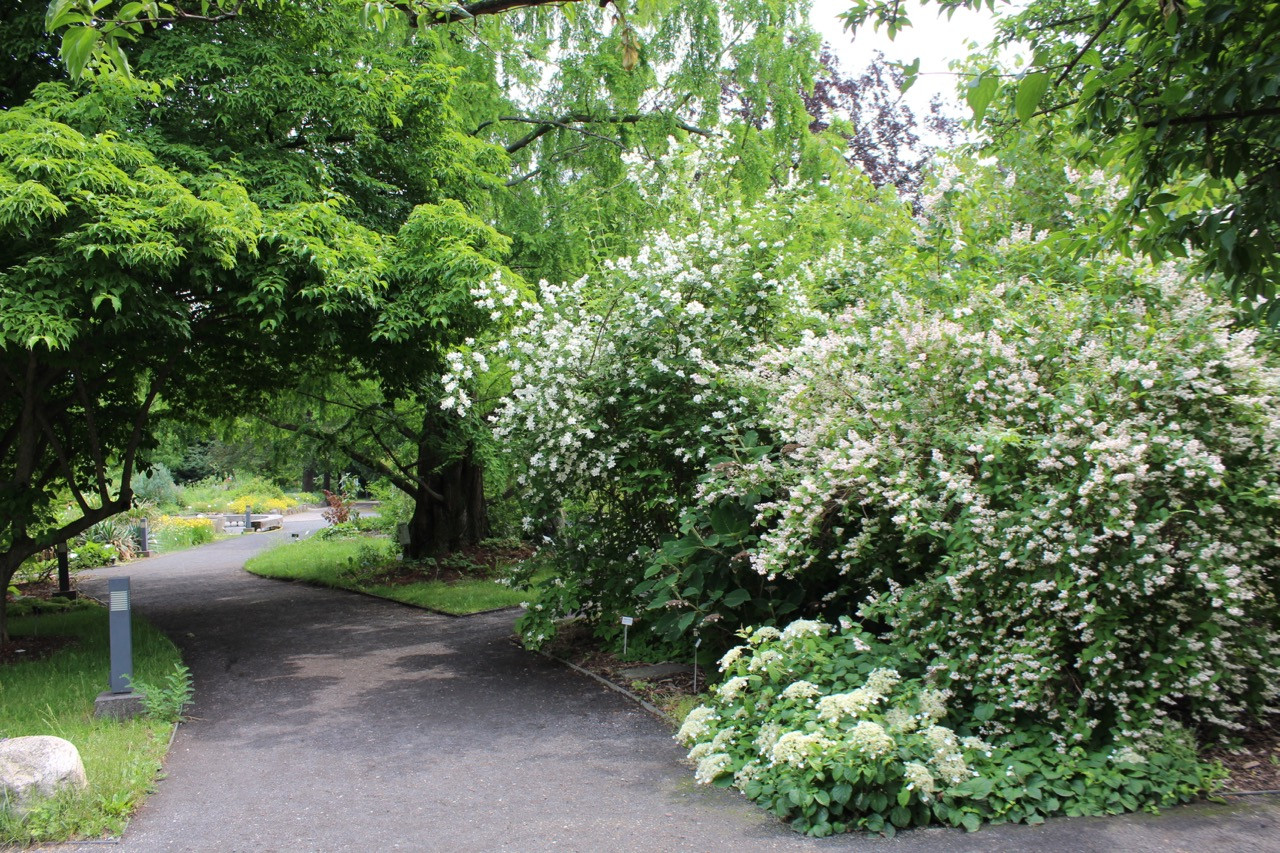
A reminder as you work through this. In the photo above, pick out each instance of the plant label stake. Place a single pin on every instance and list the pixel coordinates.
(120, 630)
(627, 622)
(697, 642)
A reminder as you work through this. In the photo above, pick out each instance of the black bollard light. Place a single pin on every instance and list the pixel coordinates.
(144, 535)
(64, 571)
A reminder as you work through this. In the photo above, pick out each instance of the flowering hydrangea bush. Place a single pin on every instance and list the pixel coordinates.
(810, 724)
(1068, 507)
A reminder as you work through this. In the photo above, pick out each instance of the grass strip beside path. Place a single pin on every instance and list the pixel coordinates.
(353, 564)
(54, 696)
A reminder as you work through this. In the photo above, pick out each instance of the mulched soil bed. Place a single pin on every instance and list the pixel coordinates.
(575, 643)
(1255, 765)
(473, 561)
(32, 648)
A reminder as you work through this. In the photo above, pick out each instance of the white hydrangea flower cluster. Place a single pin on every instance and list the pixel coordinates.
(855, 703)
(801, 628)
(800, 690)
(919, 779)
(731, 688)
(872, 739)
(697, 724)
(712, 766)
(798, 748)
(730, 657)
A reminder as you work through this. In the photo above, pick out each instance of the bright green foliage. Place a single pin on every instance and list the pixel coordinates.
(293, 187)
(124, 273)
(397, 115)
(815, 724)
(165, 699)
(1181, 98)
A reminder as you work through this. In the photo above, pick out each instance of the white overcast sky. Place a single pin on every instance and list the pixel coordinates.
(936, 41)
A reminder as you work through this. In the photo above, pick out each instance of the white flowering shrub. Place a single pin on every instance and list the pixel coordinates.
(1066, 505)
(811, 724)
(619, 394)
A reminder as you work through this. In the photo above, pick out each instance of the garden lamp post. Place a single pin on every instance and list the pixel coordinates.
(120, 700)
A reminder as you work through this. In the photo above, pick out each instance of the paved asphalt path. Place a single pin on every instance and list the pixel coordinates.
(329, 721)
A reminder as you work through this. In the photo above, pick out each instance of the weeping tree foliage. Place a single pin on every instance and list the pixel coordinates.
(1179, 98)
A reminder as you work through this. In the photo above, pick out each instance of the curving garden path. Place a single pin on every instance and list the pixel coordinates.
(329, 721)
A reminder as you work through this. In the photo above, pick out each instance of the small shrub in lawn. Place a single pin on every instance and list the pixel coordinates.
(343, 530)
(91, 555)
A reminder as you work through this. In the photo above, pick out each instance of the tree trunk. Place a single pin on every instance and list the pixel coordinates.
(440, 527)
(328, 481)
(309, 478)
(6, 575)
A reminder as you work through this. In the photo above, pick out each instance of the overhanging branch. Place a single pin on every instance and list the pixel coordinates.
(567, 122)
(1212, 118)
(417, 15)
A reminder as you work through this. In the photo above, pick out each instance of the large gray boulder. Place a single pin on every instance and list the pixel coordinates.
(38, 766)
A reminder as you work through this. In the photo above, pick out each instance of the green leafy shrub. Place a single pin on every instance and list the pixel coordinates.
(345, 530)
(812, 724)
(366, 564)
(158, 487)
(91, 555)
(259, 487)
(120, 533)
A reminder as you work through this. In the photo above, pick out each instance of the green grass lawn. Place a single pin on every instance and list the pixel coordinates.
(54, 696)
(347, 564)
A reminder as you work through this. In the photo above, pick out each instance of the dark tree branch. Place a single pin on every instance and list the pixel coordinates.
(467, 11)
(1106, 25)
(95, 448)
(546, 125)
(392, 422)
(398, 477)
(460, 12)
(1212, 118)
(68, 472)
